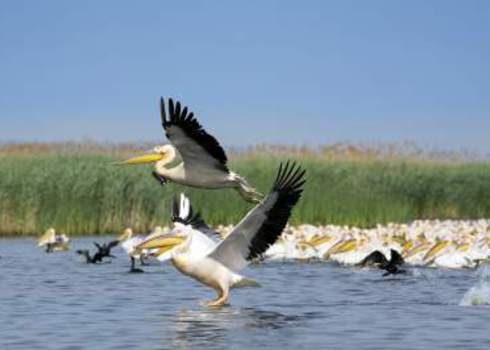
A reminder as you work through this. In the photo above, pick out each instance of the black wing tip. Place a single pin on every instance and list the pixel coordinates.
(179, 115)
(193, 219)
(174, 111)
(290, 178)
(289, 186)
(163, 115)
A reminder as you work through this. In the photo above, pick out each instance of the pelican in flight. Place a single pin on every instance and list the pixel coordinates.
(204, 162)
(217, 265)
(53, 242)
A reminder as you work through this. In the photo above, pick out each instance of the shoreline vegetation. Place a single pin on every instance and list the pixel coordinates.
(76, 188)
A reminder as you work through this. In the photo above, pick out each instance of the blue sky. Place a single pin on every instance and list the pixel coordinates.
(300, 72)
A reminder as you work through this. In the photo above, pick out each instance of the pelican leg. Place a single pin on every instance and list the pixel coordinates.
(249, 194)
(221, 300)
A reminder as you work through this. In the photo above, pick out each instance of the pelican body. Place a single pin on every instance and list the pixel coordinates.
(216, 265)
(204, 162)
(54, 242)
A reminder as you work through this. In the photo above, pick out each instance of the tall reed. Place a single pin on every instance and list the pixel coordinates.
(88, 194)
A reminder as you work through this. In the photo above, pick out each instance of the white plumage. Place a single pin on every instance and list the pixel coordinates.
(217, 265)
(204, 160)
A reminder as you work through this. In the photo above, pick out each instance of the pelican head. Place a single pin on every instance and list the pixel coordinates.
(164, 153)
(125, 235)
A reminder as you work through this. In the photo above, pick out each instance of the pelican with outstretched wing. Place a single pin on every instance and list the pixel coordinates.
(217, 265)
(204, 160)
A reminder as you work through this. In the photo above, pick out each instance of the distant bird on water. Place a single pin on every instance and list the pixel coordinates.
(128, 243)
(53, 242)
(103, 251)
(217, 266)
(204, 160)
(377, 259)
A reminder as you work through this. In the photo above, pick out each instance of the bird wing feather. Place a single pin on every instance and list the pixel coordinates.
(48, 237)
(197, 148)
(263, 225)
(182, 212)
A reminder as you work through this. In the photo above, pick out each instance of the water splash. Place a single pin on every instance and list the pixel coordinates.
(480, 293)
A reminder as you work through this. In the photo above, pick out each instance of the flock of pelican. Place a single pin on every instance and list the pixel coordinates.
(216, 257)
(431, 243)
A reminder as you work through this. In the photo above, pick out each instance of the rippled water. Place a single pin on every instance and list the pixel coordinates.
(54, 301)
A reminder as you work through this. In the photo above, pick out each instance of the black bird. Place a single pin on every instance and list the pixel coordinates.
(103, 251)
(377, 259)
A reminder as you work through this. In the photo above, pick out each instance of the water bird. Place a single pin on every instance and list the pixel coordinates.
(469, 242)
(184, 220)
(182, 214)
(204, 162)
(102, 252)
(379, 260)
(218, 265)
(128, 243)
(53, 242)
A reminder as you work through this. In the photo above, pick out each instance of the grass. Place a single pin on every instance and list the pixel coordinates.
(84, 193)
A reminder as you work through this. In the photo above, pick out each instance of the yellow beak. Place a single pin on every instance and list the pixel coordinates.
(161, 242)
(436, 249)
(147, 158)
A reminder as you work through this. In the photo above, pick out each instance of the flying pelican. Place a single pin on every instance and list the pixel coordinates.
(53, 242)
(217, 266)
(204, 160)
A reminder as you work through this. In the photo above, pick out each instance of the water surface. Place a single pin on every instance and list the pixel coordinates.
(55, 301)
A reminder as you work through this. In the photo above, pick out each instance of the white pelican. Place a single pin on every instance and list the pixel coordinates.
(204, 160)
(184, 220)
(217, 266)
(53, 242)
(128, 242)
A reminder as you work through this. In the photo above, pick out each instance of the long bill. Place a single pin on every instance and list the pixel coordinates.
(145, 159)
(162, 244)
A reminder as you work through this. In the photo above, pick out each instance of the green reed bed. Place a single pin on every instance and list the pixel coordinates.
(87, 194)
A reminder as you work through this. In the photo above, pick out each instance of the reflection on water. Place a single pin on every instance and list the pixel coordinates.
(212, 326)
(54, 301)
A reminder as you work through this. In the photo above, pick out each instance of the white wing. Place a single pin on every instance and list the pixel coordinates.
(261, 227)
(48, 237)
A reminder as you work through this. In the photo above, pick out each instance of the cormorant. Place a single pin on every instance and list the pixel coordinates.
(377, 259)
(103, 251)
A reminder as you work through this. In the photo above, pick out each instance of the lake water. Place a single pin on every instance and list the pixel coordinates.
(54, 301)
